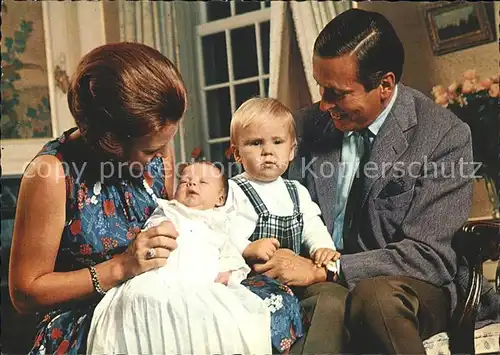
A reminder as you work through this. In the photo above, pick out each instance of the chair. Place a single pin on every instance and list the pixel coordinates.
(480, 238)
(18, 331)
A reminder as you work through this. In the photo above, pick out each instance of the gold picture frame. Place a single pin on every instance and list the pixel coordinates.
(457, 25)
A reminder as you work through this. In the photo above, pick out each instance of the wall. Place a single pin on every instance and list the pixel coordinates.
(423, 69)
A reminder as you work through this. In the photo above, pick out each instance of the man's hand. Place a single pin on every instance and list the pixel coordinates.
(262, 249)
(322, 256)
(223, 277)
(291, 269)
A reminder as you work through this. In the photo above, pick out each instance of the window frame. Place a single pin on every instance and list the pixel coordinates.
(225, 25)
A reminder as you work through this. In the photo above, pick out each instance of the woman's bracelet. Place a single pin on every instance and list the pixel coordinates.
(95, 281)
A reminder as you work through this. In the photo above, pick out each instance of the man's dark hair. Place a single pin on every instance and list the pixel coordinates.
(370, 37)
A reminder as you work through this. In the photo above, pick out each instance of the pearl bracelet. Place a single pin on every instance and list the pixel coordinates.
(95, 281)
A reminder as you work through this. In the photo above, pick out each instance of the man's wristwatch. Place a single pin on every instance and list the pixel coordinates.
(331, 272)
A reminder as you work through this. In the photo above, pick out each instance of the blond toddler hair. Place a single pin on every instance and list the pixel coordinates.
(259, 109)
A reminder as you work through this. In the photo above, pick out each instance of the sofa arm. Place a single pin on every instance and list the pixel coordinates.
(481, 240)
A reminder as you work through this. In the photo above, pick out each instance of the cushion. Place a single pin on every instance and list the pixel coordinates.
(486, 341)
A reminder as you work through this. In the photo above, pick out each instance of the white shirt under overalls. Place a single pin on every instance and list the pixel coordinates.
(277, 199)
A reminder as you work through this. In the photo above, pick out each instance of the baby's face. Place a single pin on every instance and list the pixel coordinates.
(200, 187)
(265, 149)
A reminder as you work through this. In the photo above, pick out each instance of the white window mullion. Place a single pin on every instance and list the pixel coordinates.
(219, 140)
(230, 70)
(259, 60)
(233, 8)
(231, 23)
(247, 80)
(237, 82)
(216, 86)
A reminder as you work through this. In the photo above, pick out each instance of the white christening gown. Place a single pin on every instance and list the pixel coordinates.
(179, 309)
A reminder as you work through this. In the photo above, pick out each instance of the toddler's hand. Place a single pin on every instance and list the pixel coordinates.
(223, 277)
(323, 255)
(262, 249)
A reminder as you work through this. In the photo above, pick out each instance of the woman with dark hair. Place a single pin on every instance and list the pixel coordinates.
(85, 197)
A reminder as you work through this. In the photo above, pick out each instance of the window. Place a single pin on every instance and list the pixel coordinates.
(233, 62)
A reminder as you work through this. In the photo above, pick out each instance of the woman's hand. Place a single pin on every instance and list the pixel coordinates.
(150, 249)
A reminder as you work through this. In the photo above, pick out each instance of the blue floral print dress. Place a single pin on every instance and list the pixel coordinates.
(103, 215)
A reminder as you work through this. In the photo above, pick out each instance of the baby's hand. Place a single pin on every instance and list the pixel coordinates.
(223, 277)
(323, 255)
(262, 249)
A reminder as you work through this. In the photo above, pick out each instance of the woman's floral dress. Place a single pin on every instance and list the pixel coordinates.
(105, 210)
(288, 319)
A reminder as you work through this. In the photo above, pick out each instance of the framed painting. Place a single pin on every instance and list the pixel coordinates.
(41, 44)
(456, 25)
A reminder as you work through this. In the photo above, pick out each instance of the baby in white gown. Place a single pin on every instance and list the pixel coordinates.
(195, 304)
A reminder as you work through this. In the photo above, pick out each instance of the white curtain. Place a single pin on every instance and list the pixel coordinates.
(141, 22)
(294, 28)
(153, 23)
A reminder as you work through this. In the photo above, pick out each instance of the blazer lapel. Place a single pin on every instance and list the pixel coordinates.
(322, 143)
(391, 142)
(326, 169)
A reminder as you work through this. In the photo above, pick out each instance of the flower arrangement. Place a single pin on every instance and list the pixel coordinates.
(224, 160)
(469, 90)
(197, 154)
(476, 102)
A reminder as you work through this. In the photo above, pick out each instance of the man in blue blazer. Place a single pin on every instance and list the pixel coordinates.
(391, 172)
